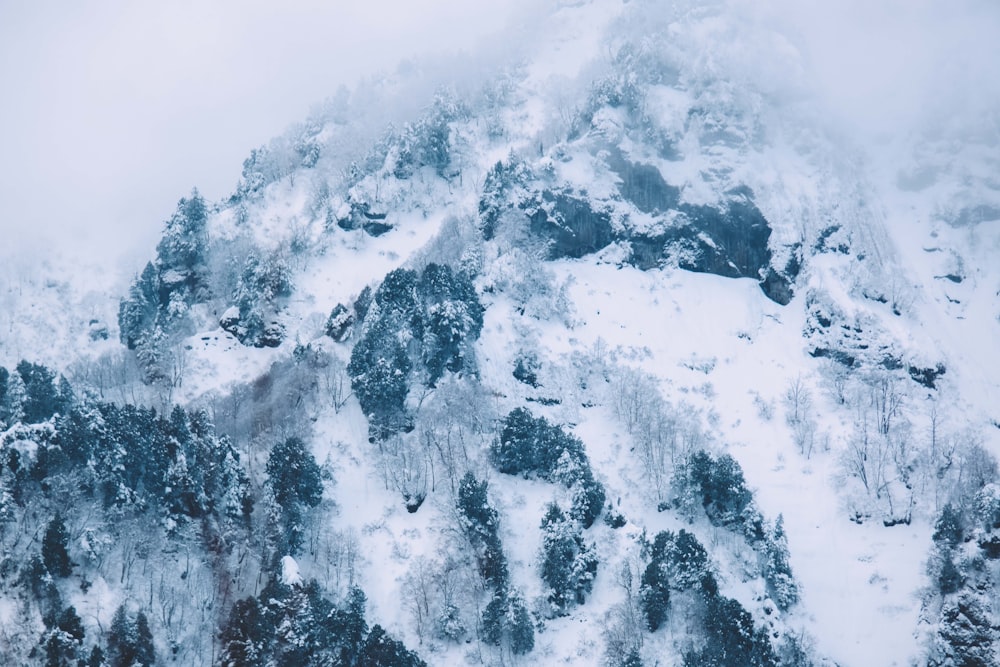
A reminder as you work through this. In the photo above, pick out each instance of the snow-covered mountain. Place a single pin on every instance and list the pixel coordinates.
(614, 351)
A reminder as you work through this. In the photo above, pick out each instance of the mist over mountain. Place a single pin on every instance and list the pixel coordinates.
(633, 335)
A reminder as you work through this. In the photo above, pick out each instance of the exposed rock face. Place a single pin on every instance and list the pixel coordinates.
(571, 224)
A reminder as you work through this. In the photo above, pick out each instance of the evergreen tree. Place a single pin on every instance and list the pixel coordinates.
(296, 483)
(949, 529)
(480, 522)
(138, 312)
(777, 570)
(184, 245)
(40, 400)
(4, 378)
(54, 548)
(96, 658)
(522, 631)
(144, 652)
(381, 650)
(568, 565)
(243, 636)
(684, 561)
(380, 370)
(129, 640)
(293, 474)
(16, 395)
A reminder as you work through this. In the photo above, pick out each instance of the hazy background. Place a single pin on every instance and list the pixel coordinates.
(113, 110)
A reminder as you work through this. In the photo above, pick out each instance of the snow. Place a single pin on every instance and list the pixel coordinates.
(290, 572)
(716, 348)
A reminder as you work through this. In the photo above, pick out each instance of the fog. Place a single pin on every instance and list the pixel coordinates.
(114, 110)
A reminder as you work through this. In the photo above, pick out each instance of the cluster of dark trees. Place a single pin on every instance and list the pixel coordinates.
(964, 562)
(717, 485)
(506, 620)
(291, 624)
(170, 472)
(568, 564)
(417, 327)
(158, 303)
(31, 394)
(679, 564)
(531, 446)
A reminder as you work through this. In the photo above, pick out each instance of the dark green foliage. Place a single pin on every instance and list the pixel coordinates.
(42, 398)
(507, 619)
(453, 319)
(184, 244)
(426, 142)
(296, 626)
(531, 445)
(338, 325)
(54, 553)
(949, 529)
(776, 569)
(494, 618)
(296, 482)
(264, 281)
(293, 474)
(677, 562)
(137, 314)
(130, 641)
(243, 635)
(480, 522)
(4, 377)
(363, 303)
(381, 650)
(423, 322)
(654, 595)
(588, 496)
(568, 564)
(96, 658)
(156, 311)
(719, 485)
(613, 518)
(501, 191)
(69, 623)
(522, 631)
(730, 638)
(380, 370)
(949, 578)
(63, 639)
(685, 560)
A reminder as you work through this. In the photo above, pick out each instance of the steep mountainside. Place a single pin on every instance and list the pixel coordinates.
(611, 353)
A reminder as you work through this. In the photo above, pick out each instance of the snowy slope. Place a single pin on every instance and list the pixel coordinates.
(890, 256)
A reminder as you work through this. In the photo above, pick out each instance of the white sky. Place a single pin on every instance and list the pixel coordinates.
(113, 110)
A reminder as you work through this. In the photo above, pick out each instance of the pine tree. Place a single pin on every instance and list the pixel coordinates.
(243, 636)
(16, 397)
(4, 378)
(54, 545)
(949, 529)
(522, 631)
(777, 570)
(144, 652)
(568, 565)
